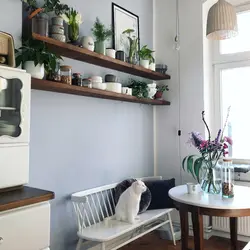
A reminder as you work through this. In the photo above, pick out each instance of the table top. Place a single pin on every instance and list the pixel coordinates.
(241, 198)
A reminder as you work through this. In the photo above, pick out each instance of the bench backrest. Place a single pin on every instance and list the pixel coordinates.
(94, 205)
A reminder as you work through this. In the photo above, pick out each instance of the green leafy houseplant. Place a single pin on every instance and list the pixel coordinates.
(100, 32)
(146, 54)
(133, 45)
(55, 6)
(139, 88)
(37, 52)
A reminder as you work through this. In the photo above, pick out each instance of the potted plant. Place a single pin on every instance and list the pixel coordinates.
(160, 90)
(139, 88)
(36, 59)
(151, 62)
(145, 54)
(101, 34)
(73, 19)
(133, 46)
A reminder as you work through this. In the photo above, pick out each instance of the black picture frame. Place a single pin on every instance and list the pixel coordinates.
(115, 9)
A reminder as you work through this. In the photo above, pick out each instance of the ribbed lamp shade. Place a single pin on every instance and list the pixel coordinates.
(222, 21)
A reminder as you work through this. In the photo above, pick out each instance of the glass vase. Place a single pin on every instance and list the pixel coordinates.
(40, 24)
(211, 177)
(74, 32)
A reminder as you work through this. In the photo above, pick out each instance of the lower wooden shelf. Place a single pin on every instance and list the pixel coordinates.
(96, 93)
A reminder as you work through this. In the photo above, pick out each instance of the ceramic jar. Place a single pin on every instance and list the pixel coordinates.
(88, 43)
(144, 63)
(57, 29)
(111, 53)
(152, 90)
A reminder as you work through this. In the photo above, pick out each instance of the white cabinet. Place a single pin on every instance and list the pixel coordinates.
(15, 89)
(27, 228)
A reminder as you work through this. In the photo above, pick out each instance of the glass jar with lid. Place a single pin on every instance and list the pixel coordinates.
(66, 74)
(227, 179)
(77, 79)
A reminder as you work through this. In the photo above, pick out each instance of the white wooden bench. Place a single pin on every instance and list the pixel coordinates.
(95, 208)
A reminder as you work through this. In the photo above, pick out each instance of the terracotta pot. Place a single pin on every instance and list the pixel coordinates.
(158, 95)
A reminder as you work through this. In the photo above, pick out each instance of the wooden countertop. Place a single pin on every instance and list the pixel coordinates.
(23, 197)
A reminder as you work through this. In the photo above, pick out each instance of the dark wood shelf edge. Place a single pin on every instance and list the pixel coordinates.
(24, 196)
(84, 55)
(95, 93)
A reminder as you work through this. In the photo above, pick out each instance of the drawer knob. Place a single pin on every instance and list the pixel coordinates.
(1, 240)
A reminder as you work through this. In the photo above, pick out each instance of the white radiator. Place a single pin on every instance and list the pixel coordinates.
(222, 224)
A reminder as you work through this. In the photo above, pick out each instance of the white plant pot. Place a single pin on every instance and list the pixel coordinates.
(144, 63)
(152, 66)
(35, 71)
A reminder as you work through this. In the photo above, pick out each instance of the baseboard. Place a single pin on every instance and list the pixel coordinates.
(227, 235)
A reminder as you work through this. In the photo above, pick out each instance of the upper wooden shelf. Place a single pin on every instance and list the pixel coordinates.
(84, 55)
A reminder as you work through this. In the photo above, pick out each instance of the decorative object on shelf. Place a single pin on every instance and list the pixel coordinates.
(111, 78)
(38, 58)
(127, 91)
(227, 178)
(97, 83)
(57, 29)
(205, 168)
(55, 75)
(61, 38)
(114, 87)
(222, 21)
(88, 43)
(77, 79)
(120, 55)
(40, 24)
(161, 68)
(110, 52)
(57, 22)
(160, 90)
(145, 55)
(133, 46)
(66, 74)
(7, 50)
(124, 20)
(74, 20)
(139, 88)
(101, 34)
(152, 89)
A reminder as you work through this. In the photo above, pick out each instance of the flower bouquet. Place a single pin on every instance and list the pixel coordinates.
(205, 168)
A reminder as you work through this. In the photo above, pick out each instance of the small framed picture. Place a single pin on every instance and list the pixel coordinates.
(124, 20)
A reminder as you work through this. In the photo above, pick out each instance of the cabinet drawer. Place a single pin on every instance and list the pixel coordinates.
(14, 167)
(26, 228)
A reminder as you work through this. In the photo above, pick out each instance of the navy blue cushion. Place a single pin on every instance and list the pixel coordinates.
(159, 192)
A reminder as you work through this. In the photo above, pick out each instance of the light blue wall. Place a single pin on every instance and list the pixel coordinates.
(79, 142)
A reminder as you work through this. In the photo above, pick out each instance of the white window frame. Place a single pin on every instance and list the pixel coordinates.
(226, 61)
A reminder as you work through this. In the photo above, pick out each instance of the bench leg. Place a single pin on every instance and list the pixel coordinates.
(103, 246)
(79, 244)
(171, 228)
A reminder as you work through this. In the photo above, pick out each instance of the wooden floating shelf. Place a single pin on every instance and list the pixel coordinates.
(84, 55)
(96, 93)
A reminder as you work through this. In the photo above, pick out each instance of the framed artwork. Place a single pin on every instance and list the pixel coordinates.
(124, 20)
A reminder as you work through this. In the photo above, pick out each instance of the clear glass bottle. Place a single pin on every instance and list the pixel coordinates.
(66, 74)
(227, 176)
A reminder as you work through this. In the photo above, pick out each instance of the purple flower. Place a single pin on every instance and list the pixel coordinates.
(195, 139)
(218, 136)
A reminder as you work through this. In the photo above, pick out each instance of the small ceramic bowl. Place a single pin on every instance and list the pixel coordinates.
(57, 21)
(96, 79)
(55, 29)
(59, 37)
(102, 86)
(114, 87)
(111, 78)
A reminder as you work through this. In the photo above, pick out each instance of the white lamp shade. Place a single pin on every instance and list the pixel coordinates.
(222, 21)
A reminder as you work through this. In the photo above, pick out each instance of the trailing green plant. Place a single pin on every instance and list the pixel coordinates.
(146, 54)
(56, 6)
(162, 88)
(139, 88)
(100, 32)
(33, 50)
(133, 43)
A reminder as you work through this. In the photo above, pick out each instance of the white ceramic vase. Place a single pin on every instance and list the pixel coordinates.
(144, 63)
(35, 71)
(152, 66)
(88, 43)
(152, 90)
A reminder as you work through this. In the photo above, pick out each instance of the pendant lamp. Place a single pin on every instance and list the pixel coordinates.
(222, 21)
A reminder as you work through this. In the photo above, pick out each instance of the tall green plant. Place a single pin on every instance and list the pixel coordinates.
(100, 32)
(133, 43)
(56, 6)
(139, 88)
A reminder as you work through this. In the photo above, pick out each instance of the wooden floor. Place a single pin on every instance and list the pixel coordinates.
(153, 242)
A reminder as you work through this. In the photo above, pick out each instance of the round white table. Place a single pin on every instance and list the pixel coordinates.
(212, 205)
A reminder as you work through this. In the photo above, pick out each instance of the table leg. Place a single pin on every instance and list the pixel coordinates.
(184, 227)
(197, 220)
(234, 233)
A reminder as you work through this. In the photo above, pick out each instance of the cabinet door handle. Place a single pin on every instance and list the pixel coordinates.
(1, 240)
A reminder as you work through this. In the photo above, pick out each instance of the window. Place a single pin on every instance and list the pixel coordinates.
(232, 86)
